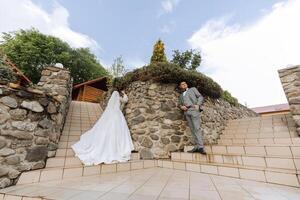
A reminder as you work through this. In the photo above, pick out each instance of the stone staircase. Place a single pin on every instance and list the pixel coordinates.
(81, 117)
(265, 149)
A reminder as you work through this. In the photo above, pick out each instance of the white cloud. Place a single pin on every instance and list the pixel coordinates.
(245, 59)
(134, 63)
(168, 28)
(24, 14)
(169, 5)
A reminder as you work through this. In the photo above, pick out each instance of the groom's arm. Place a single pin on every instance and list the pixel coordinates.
(200, 98)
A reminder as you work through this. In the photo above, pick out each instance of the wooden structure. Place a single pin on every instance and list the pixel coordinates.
(272, 110)
(91, 91)
(22, 79)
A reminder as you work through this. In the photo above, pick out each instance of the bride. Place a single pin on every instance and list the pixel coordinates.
(109, 140)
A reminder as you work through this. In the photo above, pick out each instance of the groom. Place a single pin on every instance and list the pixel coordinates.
(190, 101)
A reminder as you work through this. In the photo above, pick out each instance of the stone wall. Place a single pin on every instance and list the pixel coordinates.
(290, 79)
(157, 125)
(31, 120)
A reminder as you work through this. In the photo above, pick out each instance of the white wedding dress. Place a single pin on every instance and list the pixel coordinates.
(109, 140)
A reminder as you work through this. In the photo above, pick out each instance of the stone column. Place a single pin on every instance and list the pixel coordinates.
(290, 79)
(31, 121)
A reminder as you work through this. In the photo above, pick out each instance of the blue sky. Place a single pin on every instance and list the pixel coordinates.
(130, 27)
(242, 43)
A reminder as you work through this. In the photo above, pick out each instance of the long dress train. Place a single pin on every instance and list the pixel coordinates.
(109, 140)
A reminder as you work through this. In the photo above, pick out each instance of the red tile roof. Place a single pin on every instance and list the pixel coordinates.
(271, 108)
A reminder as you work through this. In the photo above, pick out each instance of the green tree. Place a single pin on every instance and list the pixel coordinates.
(31, 50)
(159, 52)
(189, 59)
(118, 69)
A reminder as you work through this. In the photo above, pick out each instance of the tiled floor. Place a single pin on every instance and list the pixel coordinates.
(155, 183)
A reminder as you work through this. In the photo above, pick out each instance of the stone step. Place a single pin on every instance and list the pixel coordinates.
(68, 152)
(72, 161)
(58, 173)
(268, 175)
(273, 118)
(259, 131)
(258, 136)
(260, 141)
(276, 162)
(253, 150)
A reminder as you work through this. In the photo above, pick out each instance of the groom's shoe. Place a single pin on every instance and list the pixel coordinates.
(194, 150)
(202, 151)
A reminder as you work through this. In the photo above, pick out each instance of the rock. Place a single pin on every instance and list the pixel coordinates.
(139, 132)
(175, 138)
(2, 143)
(46, 123)
(170, 148)
(4, 182)
(18, 114)
(24, 125)
(51, 154)
(136, 112)
(152, 86)
(7, 152)
(4, 117)
(33, 106)
(146, 154)
(154, 137)
(42, 132)
(164, 107)
(12, 174)
(36, 153)
(51, 108)
(21, 143)
(147, 143)
(44, 101)
(3, 108)
(165, 140)
(137, 120)
(38, 165)
(3, 171)
(24, 94)
(53, 136)
(153, 130)
(174, 116)
(13, 160)
(41, 141)
(179, 133)
(9, 101)
(24, 166)
(21, 135)
(167, 121)
(52, 146)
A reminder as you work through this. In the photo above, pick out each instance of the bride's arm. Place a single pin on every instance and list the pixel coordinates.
(124, 99)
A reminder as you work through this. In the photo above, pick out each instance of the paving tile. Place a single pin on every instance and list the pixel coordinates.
(193, 167)
(123, 167)
(282, 178)
(278, 151)
(252, 174)
(29, 177)
(280, 163)
(210, 169)
(73, 172)
(108, 168)
(47, 175)
(228, 171)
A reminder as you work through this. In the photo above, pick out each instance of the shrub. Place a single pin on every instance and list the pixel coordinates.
(7, 75)
(170, 73)
(230, 99)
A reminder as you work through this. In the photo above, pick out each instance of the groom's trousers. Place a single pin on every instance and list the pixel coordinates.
(193, 119)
